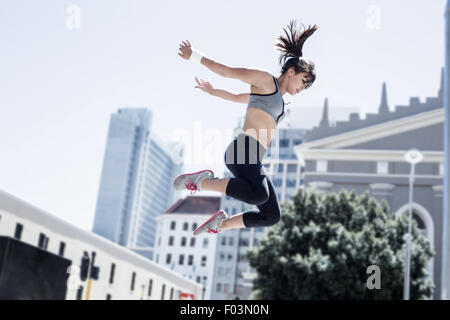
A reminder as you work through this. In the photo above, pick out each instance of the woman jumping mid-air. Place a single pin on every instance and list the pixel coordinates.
(243, 156)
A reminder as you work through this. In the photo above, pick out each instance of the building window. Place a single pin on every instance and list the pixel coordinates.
(297, 141)
(230, 241)
(43, 241)
(168, 258)
(222, 256)
(185, 226)
(181, 259)
(229, 257)
(183, 241)
(290, 183)
(291, 168)
(280, 167)
(194, 226)
(172, 225)
(108, 296)
(111, 273)
(226, 287)
(79, 292)
(234, 211)
(243, 242)
(203, 264)
(198, 279)
(205, 243)
(171, 241)
(321, 166)
(277, 182)
(190, 260)
(192, 242)
(133, 277)
(420, 223)
(159, 241)
(224, 241)
(62, 246)
(284, 143)
(171, 293)
(219, 287)
(150, 285)
(382, 167)
(18, 232)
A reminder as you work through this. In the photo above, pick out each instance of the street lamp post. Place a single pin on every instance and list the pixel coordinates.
(413, 156)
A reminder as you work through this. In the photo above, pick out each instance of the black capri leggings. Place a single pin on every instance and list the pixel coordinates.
(250, 184)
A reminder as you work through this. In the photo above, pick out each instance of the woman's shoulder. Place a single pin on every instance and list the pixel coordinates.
(267, 85)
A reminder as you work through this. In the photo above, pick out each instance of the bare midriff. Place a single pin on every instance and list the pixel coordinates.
(260, 125)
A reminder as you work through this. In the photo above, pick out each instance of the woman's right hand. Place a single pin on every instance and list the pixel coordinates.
(204, 85)
(186, 50)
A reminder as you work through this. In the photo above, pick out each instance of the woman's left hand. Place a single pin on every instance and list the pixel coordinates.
(204, 85)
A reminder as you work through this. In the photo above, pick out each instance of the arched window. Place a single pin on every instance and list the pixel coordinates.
(424, 222)
(419, 220)
(416, 217)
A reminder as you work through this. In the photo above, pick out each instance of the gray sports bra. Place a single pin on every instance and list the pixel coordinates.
(271, 103)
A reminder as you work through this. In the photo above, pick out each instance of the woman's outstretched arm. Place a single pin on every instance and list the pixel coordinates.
(240, 98)
(208, 88)
(250, 76)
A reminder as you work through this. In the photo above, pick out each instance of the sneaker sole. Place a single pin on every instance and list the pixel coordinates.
(215, 215)
(190, 174)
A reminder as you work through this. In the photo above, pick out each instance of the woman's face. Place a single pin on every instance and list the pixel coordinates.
(297, 82)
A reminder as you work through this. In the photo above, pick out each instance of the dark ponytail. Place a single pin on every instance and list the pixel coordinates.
(291, 46)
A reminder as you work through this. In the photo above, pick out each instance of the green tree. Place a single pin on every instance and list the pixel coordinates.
(324, 243)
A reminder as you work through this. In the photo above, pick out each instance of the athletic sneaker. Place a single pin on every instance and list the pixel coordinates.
(213, 223)
(192, 181)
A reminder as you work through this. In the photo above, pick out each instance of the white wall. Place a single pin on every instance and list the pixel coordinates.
(36, 221)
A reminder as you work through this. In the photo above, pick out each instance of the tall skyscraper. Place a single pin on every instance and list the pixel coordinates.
(136, 181)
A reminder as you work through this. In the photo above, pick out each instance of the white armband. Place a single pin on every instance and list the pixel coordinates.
(196, 56)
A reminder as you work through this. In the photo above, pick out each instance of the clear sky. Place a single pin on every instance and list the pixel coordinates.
(63, 72)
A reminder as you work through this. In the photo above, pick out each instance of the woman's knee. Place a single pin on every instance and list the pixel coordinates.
(273, 218)
(271, 213)
(276, 217)
(260, 196)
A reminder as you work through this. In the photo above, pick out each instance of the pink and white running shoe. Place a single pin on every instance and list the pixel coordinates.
(213, 224)
(192, 181)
